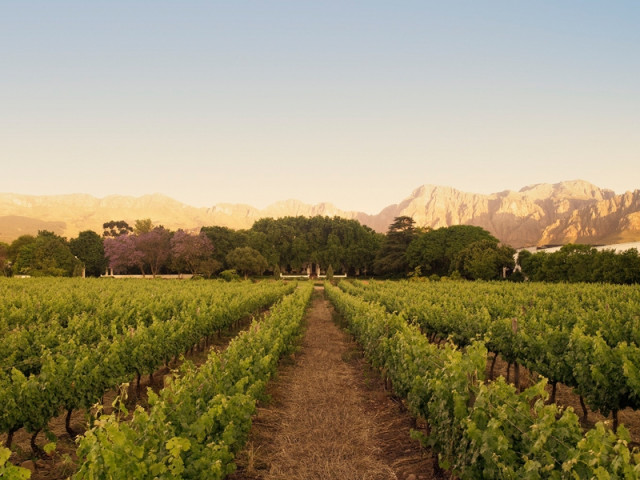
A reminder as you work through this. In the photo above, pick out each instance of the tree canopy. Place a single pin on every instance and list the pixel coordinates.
(4, 259)
(294, 244)
(581, 263)
(115, 228)
(435, 251)
(47, 254)
(247, 261)
(148, 251)
(290, 243)
(193, 253)
(391, 258)
(144, 225)
(88, 246)
(484, 260)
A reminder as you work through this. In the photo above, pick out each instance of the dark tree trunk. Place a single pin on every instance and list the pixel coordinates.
(554, 387)
(10, 437)
(584, 409)
(493, 364)
(437, 471)
(37, 451)
(67, 424)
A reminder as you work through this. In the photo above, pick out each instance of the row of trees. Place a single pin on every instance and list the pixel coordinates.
(581, 263)
(293, 244)
(155, 250)
(289, 244)
(460, 250)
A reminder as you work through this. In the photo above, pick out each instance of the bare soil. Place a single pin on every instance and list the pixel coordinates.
(330, 418)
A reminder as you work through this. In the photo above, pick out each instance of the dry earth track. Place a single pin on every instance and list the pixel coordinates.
(330, 418)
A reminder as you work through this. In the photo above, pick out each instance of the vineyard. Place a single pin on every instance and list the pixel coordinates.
(65, 343)
(584, 336)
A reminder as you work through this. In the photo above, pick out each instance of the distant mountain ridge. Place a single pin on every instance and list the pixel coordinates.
(572, 211)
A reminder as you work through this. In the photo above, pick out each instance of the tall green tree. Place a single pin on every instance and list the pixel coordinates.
(144, 225)
(4, 259)
(628, 264)
(484, 260)
(292, 243)
(48, 255)
(247, 261)
(346, 245)
(435, 251)
(17, 244)
(581, 263)
(334, 252)
(116, 228)
(260, 242)
(88, 247)
(224, 240)
(391, 259)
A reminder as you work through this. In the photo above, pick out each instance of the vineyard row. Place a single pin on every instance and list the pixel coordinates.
(482, 429)
(78, 375)
(584, 336)
(196, 424)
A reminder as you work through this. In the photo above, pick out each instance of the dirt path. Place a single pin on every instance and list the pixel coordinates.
(330, 418)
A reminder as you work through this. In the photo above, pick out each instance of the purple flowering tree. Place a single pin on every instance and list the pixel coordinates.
(122, 253)
(155, 248)
(192, 252)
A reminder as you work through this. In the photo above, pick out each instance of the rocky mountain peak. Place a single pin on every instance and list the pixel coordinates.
(574, 210)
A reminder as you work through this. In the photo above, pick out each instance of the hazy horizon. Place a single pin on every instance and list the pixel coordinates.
(281, 200)
(353, 103)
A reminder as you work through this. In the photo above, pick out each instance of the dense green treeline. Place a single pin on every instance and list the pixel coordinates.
(464, 251)
(301, 245)
(290, 244)
(581, 263)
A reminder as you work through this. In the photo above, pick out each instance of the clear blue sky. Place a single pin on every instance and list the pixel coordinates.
(352, 102)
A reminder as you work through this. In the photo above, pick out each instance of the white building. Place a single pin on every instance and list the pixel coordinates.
(616, 247)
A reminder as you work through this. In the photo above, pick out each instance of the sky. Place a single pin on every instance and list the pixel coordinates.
(356, 103)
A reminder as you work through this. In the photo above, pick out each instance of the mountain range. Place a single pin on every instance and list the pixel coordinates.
(572, 211)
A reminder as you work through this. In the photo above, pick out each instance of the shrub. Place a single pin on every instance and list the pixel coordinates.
(229, 275)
